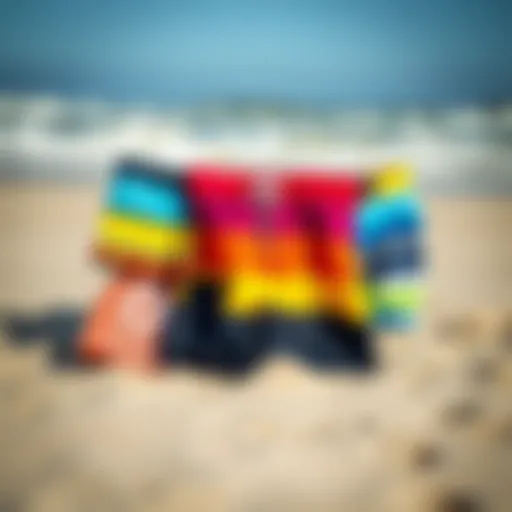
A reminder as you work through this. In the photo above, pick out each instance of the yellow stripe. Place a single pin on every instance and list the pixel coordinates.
(250, 293)
(244, 294)
(394, 178)
(350, 300)
(294, 295)
(139, 237)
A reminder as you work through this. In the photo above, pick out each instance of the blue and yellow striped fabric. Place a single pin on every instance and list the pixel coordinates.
(390, 228)
(145, 215)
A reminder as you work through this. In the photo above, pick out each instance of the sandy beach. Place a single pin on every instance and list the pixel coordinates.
(429, 431)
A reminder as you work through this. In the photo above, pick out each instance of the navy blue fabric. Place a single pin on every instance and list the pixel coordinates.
(58, 328)
(197, 335)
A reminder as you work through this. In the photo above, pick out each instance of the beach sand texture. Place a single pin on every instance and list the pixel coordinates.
(431, 430)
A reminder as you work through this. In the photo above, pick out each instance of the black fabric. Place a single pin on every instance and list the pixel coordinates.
(197, 335)
(325, 343)
(59, 328)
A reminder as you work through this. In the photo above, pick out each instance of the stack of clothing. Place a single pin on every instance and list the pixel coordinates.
(210, 271)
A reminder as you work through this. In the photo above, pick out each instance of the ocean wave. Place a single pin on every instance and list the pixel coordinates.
(52, 137)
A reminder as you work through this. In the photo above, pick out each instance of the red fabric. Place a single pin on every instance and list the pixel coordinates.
(221, 200)
(217, 181)
(317, 187)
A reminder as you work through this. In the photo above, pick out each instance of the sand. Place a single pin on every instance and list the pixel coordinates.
(431, 430)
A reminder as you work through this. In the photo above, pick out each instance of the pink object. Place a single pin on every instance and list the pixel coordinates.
(125, 326)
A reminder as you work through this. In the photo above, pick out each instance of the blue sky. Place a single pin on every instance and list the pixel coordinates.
(366, 52)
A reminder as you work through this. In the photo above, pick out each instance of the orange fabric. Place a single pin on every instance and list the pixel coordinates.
(240, 251)
(172, 272)
(124, 327)
(342, 260)
(288, 253)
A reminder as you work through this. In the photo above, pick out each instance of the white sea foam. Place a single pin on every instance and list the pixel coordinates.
(455, 149)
